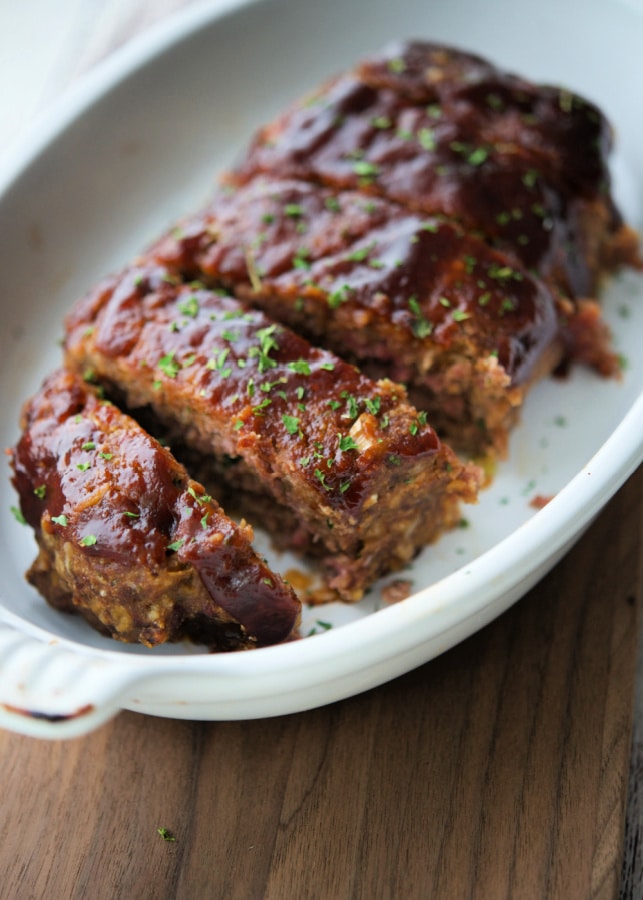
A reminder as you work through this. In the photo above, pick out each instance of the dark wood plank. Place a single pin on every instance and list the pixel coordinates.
(498, 769)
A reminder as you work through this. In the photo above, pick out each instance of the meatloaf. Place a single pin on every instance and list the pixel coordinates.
(128, 540)
(409, 297)
(445, 132)
(362, 479)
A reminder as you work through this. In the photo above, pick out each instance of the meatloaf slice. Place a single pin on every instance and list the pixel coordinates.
(128, 540)
(412, 298)
(362, 479)
(446, 132)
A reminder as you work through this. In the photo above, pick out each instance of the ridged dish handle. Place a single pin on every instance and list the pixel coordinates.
(49, 692)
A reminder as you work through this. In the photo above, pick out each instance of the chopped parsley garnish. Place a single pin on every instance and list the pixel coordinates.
(165, 834)
(176, 545)
(421, 326)
(426, 137)
(18, 516)
(291, 424)
(346, 442)
(365, 169)
(293, 210)
(88, 445)
(300, 366)
(40, 491)
(335, 298)
(397, 65)
(60, 520)
(189, 307)
(88, 540)
(300, 259)
(168, 365)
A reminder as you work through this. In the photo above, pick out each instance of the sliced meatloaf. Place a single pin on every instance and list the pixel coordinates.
(446, 132)
(413, 298)
(128, 540)
(361, 479)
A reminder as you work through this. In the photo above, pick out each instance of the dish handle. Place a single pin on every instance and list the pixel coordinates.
(47, 691)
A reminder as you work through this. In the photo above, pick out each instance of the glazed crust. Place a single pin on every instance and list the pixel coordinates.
(127, 539)
(412, 298)
(445, 132)
(365, 476)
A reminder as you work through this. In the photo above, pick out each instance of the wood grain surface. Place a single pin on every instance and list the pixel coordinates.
(497, 770)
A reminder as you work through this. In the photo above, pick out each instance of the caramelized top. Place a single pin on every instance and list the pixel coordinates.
(255, 386)
(444, 132)
(90, 474)
(434, 283)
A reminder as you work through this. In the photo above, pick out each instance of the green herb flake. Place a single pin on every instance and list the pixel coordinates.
(165, 834)
(495, 101)
(300, 367)
(83, 466)
(336, 298)
(189, 307)
(426, 137)
(17, 514)
(300, 259)
(40, 491)
(477, 156)
(88, 445)
(332, 204)
(421, 327)
(459, 315)
(365, 169)
(168, 365)
(176, 545)
(293, 210)
(88, 540)
(291, 424)
(346, 442)
(397, 65)
(60, 520)
(319, 475)
(530, 178)
(381, 122)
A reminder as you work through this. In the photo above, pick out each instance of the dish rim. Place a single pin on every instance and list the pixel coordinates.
(447, 602)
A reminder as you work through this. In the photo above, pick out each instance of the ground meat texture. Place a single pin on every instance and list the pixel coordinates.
(409, 297)
(445, 132)
(349, 460)
(128, 540)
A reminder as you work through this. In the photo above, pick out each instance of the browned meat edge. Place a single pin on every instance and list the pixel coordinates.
(128, 540)
(363, 473)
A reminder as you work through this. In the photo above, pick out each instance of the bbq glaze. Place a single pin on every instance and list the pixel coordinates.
(93, 484)
(326, 442)
(444, 132)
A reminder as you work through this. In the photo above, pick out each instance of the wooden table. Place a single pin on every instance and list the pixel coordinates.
(498, 770)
